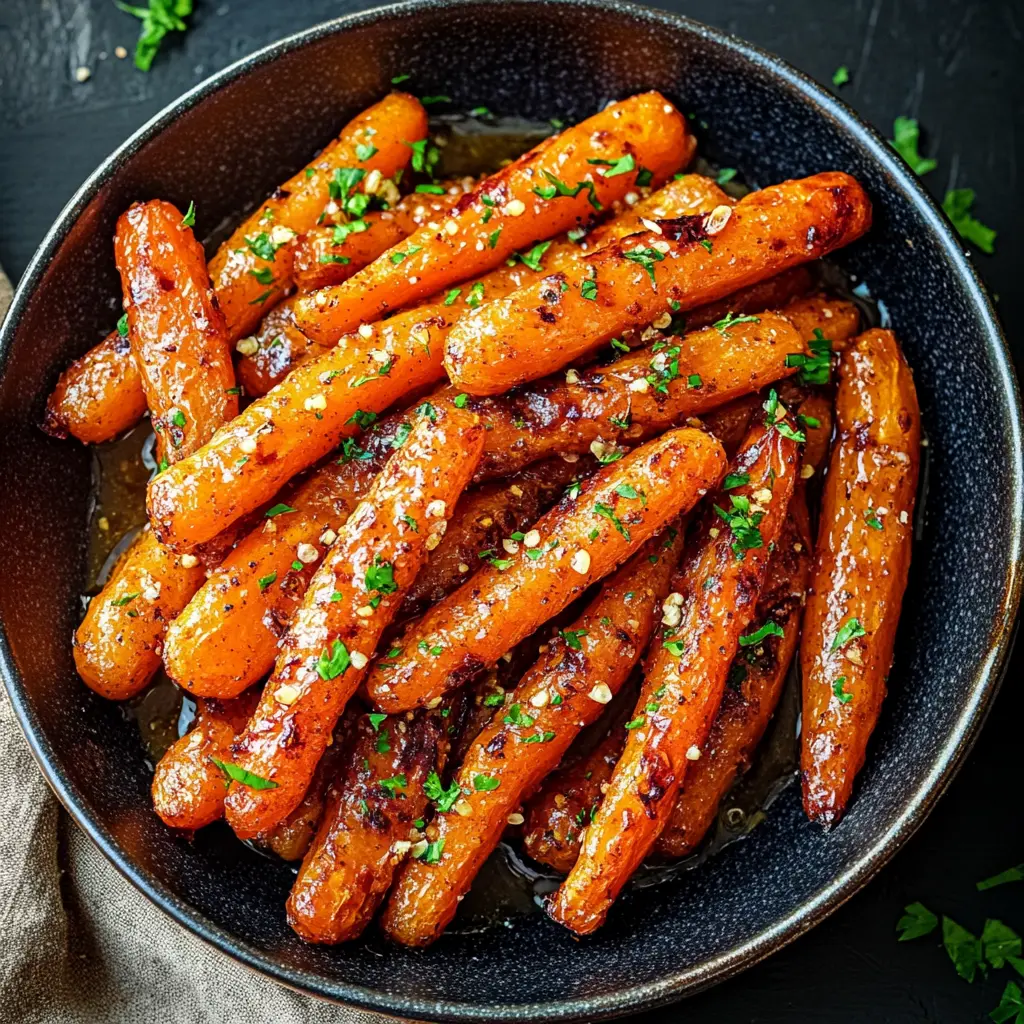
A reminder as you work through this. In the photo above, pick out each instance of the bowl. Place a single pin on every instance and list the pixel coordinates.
(226, 144)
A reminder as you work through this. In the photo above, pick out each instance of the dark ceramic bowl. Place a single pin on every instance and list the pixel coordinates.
(228, 143)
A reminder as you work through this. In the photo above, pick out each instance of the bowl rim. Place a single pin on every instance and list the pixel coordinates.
(986, 678)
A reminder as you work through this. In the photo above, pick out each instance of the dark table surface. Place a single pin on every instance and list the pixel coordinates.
(953, 64)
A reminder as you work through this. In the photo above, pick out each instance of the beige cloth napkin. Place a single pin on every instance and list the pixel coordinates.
(80, 945)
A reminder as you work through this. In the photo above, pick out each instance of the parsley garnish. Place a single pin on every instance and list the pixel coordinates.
(189, 220)
(850, 631)
(674, 647)
(768, 629)
(538, 737)
(452, 295)
(646, 258)
(279, 509)
(476, 295)
(364, 151)
(443, 797)
(333, 662)
(609, 513)
(515, 716)
(730, 320)
(816, 367)
(161, 17)
(964, 949)
(380, 578)
(840, 76)
(376, 717)
(623, 165)
(262, 246)
(394, 784)
(1014, 874)
(725, 174)
(361, 418)
(532, 258)
(485, 783)
(743, 523)
(128, 598)
(431, 854)
(917, 921)
(237, 773)
(265, 581)
(559, 188)
(837, 689)
(905, 132)
(588, 290)
(957, 206)
(734, 480)
(122, 326)
(572, 638)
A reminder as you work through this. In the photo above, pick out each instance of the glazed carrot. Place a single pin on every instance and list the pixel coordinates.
(329, 255)
(117, 647)
(188, 787)
(253, 269)
(566, 690)
(97, 396)
(299, 421)
(568, 800)
(368, 828)
(683, 264)
(862, 561)
(685, 673)
(376, 556)
(558, 185)
(279, 346)
(595, 527)
(177, 333)
(646, 392)
(226, 637)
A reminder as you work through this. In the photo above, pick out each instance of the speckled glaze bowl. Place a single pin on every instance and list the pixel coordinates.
(229, 142)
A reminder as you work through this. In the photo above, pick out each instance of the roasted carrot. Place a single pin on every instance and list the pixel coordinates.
(686, 670)
(370, 824)
(862, 560)
(558, 185)
(567, 801)
(647, 391)
(279, 345)
(324, 654)
(567, 689)
(188, 786)
(594, 528)
(117, 647)
(227, 636)
(299, 421)
(253, 269)
(98, 396)
(177, 332)
(684, 263)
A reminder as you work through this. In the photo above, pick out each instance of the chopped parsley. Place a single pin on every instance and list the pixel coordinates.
(572, 638)
(122, 326)
(768, 629)
(743, 523)
(957, 207)
(376, 717)
(364, 151)
(444, 797)
(538, 737)
(515, 716)
(674, 647)
(734, 480)
(607, 512)
(452, 295)
(623, 165)
(816, 367)
(431, 854)
(533, 257)
(837, 689)
(850, 630)
(189, 220)
(262, 246)
(905, 137)
(265, 581)
(646, 257)
(917, 920)
(362, 418)
(394, 784)
(840, 76)
(159, 18)
(279, 509)
(1014, 874)
(476, 295)
(557, 187)
(128, 598)
(333, 662)
(588, 290)
(726, 174)
(731, 319)
(237, 773)
(485, 783)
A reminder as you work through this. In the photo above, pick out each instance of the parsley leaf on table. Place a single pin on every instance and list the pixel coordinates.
(161, 17)
(957, 207)
(905, 135)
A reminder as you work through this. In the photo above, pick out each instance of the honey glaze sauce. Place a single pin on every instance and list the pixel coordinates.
(510, 885)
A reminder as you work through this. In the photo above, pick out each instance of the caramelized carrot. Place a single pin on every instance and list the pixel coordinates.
(227, 636)
(684, 263)
(253, 269)
(369, 828)
(188, 786)
(555, 186)
(280, 346)
(177, 332)
(862, 562)
(646, 392)
(117, 647)
(595, 527)
(299, 421)
(329, 254)
(561, 809)
(98, 396)
(566, 690)
(351, 599)
(686, 672)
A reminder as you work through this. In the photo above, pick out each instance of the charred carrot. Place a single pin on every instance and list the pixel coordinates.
(253, 269)
(647, 391)
(862, 560)
(324, 654)
(566, 690)
(117, 647)
(188, 785)
(98, 396)
(684, 263)
(177, 332)
(596, 526)
(686, 670)
(370, 825)
(558, 185)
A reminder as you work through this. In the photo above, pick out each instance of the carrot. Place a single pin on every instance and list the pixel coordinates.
(377, 554)
(117, 647)
(595, 527)
(99, 395)
(329, 254)
(568, 799)
(177, 333)
(555, 186)
(369, 827)
(252, 270)
(686, 671)
(280, 345)
(684, 263)
(566, 690)
(861, 567)
(227, 636)
(188, 787)
(299, 421)
(645, 392)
